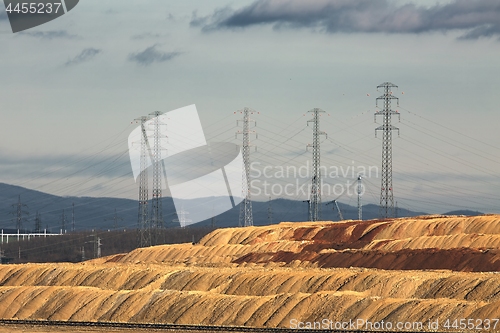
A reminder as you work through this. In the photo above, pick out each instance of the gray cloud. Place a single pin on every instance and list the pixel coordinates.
(63, 166)
(49, 34)
(147, 35)
(151, 55)
(85, 55)
(3, 15)
(478, 18)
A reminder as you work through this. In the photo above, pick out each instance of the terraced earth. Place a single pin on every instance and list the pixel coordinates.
(403, 270)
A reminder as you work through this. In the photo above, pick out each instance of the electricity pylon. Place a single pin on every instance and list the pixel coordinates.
(19, 213)
(270, 212)
(115, 220)
(63, 222)
(182, 220)
(360, 207)
(144, 238)
(315, 211)
(246, 217)
(38, 223)
(97, 246)
(73, 218)
(335, 204)
(308, 209)
(156, 206)
(386, 190)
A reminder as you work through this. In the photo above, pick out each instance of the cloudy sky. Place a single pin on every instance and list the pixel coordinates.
(70, 90)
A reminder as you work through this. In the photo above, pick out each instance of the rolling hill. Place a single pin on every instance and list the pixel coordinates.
(98, 213)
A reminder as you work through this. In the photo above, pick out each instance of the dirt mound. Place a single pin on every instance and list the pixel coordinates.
(268, 276)
(258, 281)
(88, 304)
(437, 242)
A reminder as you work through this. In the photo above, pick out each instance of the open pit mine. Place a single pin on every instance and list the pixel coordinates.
(428, 270)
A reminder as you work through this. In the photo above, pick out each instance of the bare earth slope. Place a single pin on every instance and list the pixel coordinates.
(419, 269)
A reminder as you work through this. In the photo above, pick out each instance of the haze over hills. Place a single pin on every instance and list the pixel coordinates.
(98, 213)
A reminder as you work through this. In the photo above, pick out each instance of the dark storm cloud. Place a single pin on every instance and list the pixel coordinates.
(85, 55)
(478, 18)
(151, 55)
(48, 34)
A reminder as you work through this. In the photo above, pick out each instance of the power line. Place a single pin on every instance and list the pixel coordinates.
(452, 130)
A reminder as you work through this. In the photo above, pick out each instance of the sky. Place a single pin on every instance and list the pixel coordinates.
(71, 89)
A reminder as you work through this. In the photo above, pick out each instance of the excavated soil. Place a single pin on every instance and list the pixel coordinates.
(45, 329)
(411, 270)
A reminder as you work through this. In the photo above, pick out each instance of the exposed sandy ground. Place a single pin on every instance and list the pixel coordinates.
(36, 329)
(267, 276)
(39, 329)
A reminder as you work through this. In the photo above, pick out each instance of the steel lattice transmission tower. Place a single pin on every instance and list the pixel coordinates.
(63, 222)
(246, 217)
(143, 220)
(115, 220)
(38, 223)
(386, 190)
(183, 220)
(315, 199)
(156, 206)
(360, 191)
(19, 213)
(73, 217)
(270, 212)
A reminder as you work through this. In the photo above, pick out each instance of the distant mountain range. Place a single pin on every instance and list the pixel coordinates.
(99, 213)
(465, 212)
